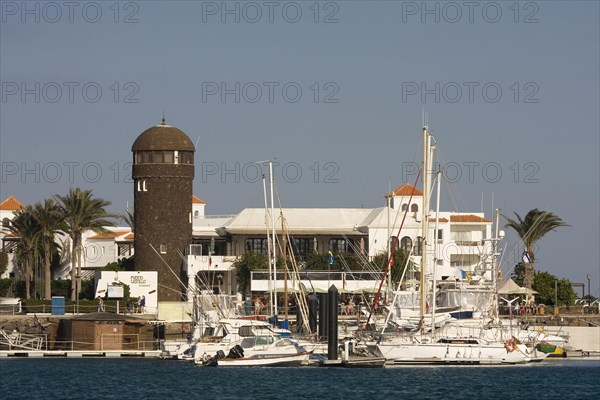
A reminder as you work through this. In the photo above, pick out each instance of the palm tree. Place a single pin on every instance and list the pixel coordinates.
(50, 222)
(530, 229)
(81, 212)
(26, 227)
(128, 218)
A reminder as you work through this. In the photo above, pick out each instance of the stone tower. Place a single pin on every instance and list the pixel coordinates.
(163, 171)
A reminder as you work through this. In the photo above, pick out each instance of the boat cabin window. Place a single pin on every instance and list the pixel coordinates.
(264, 340)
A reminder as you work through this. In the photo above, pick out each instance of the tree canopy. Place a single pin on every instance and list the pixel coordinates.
(535, 225)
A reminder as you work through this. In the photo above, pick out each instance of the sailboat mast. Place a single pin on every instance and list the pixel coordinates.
(390, 246)
(435, 247)
(423, 243)
(269, 247)
(495, 263)
(285, 268)
(274, 303)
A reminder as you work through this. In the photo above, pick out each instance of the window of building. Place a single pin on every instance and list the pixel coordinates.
(154, 157)
(141, 186)
(404, 207)
(5, 222)
(124, 249)
(196, 214)
(157, 157)
(440, 235)
(257, 245)
(406, 243)
(303, 246)
(414, 208)
(394, 243)
(186, 157)
(418, 250)
(201, 247)
(163, 248)
(340, 246)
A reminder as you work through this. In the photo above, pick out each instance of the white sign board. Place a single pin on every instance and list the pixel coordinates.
(115, 292)
(140, 284)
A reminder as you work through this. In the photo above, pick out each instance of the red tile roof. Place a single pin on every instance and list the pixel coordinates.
(129, 237)
(196, 200)
(468, 218)
(407, 190)
(109, 235)
(441, 219)
(11, 204)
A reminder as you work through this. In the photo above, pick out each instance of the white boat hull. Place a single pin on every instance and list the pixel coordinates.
(266, 361)
(448, 353)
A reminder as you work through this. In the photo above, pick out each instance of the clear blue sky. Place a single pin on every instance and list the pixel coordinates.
(365, 70)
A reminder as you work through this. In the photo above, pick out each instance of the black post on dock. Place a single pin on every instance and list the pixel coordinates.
(313, 302)
(332, 323)
(323, 316)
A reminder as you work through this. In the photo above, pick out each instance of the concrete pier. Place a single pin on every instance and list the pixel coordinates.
(77, 353)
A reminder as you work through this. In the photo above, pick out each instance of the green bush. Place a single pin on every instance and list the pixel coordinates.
(85, 306)
(244, 265)
(3, 262)
(5, 286)
(59, 288)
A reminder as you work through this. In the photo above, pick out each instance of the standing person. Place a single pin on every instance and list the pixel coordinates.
(248, 305)
(142, 304)
(257, 305)
(100, 304)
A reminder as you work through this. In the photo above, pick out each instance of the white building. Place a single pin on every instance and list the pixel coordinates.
(7, 212)
(461, 244)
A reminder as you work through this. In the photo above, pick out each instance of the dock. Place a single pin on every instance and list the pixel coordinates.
(355, 362)
(78, 353)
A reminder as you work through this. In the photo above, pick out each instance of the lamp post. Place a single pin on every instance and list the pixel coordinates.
(77, 293)
(589, 278)
(555, 297)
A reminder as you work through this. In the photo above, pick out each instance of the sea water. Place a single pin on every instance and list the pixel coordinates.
(102, 378)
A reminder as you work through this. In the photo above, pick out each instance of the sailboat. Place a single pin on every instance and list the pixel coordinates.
(439, 341)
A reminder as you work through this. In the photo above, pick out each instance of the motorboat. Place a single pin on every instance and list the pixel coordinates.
(253, 343)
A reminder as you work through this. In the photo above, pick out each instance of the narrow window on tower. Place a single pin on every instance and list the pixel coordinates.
(163, 248)
(141, 186)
